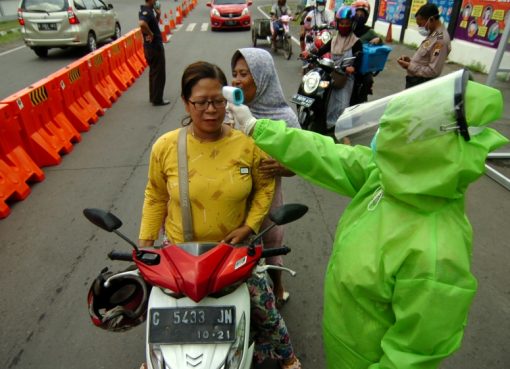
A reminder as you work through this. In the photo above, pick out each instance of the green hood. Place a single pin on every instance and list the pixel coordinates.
(422, 157)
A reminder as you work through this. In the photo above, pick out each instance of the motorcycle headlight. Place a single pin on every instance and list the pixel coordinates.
(311, 81)
(235, 355)
(215, 12)
(245, 12)
(157, 360)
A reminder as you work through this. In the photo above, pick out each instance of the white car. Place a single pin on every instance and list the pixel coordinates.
(61, 23)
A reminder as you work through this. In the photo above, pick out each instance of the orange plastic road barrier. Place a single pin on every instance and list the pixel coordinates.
(138, 39)
(184, 8)
(171, 22)
(46, 131)
(16, 166)
(119, 71)
(72, 82)
(135, 65)
(102, 86)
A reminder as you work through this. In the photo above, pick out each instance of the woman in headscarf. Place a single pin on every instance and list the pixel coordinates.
(254, 72)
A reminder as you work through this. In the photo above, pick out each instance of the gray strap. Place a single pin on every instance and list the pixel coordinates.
(182, 160)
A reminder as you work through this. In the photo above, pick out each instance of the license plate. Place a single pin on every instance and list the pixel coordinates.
(47, 26)
(230, 23)
(209, 324)
(302, 100)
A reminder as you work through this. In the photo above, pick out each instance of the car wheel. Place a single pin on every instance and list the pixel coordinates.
(41, 52)
(117, 33)
(91, 42)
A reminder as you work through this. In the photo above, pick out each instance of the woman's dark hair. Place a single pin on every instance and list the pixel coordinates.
(193, 74)
(427, 11)
(237, 55)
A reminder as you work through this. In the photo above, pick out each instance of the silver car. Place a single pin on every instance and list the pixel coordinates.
(62, 23)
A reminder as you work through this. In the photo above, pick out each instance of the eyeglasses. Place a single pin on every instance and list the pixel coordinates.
(202, 105)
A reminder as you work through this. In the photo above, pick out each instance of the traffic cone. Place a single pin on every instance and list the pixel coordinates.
(163, 33)
(178, 15)
(166, 25)
(184, 9)
(171, 22)
(389, 36)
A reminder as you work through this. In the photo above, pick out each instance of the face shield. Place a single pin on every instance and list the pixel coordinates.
(430, 109)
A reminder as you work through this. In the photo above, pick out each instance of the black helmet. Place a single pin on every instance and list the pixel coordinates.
(122, 304)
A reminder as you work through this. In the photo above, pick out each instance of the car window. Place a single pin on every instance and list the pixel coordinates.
(99, 4)
(226, 2)
(44, 6)
(89, 4)
(79, 5)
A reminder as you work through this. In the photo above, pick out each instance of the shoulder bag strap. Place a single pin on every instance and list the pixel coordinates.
(182, 161)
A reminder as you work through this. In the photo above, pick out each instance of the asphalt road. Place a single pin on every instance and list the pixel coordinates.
(49, 253)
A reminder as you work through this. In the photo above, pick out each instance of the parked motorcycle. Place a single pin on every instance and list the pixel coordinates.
(315, 89)
(199, 305)
(283, 37)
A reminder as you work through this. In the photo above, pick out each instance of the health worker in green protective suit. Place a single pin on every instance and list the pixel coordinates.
(398, 286)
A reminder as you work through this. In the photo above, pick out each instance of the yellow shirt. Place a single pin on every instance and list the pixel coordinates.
(225, 187)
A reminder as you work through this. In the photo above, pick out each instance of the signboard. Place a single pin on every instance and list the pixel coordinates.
(482, 22)
(445, 8)
(392, 11)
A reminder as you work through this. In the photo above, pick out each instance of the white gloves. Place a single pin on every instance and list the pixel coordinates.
(243, 118)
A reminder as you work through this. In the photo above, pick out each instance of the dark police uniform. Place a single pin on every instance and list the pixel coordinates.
(154, 54)
(427, 62)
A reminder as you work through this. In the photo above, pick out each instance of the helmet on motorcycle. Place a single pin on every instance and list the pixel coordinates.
(361, 5)
(320, 2)
(344, 12)
(120, 305)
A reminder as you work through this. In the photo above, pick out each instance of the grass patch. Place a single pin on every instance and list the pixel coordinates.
(11, 36)
(476, 67)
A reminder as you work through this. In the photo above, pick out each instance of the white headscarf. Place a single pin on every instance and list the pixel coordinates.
(269, 101)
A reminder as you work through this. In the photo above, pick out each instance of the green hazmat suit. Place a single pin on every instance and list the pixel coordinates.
(398, 286)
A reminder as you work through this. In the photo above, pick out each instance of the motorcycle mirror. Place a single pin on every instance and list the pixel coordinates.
(102, 219)
(107, 221)
(288, 213)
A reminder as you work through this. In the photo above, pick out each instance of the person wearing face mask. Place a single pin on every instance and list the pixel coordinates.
(363, 82)
(344, 44)
(320, 16)
(428, 61)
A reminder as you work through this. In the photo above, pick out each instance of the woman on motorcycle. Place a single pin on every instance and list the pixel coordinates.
(254, 72)
(229, 196)
(344, 44)
(363, 82)
(277, 10)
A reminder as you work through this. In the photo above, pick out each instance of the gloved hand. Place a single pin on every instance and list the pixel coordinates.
(243, 117)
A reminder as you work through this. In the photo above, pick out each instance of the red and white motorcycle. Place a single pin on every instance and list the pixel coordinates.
(198, 304)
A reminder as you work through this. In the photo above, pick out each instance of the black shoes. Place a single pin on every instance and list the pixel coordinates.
(161, 103)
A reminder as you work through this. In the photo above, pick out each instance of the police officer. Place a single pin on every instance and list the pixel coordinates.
(428, 61)
(154, 52)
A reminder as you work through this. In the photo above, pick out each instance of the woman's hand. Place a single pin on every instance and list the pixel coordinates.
(350, 70)
(238, 235)
(375, 41)
(271, 168)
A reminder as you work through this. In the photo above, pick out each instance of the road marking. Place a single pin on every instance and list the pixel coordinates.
(190, 27)
(204, 27)
(12, 50)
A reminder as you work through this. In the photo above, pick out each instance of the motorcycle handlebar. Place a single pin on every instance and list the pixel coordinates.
(120, 255)
(275, 252)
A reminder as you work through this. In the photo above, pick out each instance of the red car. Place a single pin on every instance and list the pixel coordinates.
(230, 14)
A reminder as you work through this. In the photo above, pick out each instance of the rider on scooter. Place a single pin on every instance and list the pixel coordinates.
(277, 10)
(363, 83)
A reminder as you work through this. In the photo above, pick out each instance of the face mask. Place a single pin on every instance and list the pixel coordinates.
(321, 8)
(360, 20)
(423, 30)
(344, 30)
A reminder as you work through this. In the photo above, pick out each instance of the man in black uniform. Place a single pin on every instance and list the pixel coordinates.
(154, 52)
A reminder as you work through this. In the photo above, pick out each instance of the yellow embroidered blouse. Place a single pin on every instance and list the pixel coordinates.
(225, 187)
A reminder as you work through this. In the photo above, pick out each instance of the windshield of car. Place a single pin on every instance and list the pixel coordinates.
(44, 6)
(227, 2)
